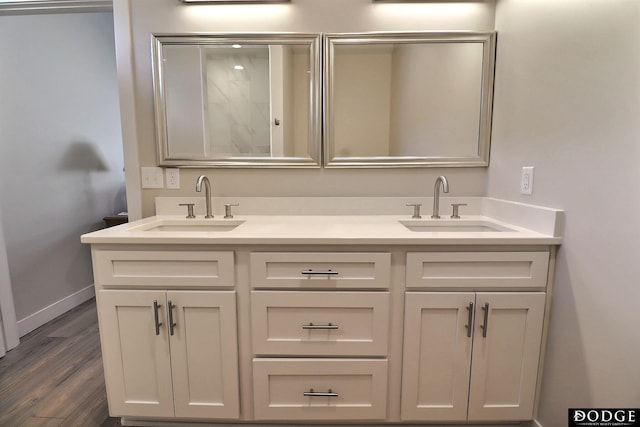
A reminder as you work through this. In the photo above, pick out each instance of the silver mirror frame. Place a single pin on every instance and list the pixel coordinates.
(314, 135)
(481, 159)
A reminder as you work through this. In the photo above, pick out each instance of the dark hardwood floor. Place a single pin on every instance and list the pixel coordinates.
(54, 377)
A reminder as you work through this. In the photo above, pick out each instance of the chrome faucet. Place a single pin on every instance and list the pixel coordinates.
(207, 193)
(436, 195)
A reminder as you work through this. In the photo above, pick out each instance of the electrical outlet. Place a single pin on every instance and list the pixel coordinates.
(152, 177)
(173, 178)
(526, 180)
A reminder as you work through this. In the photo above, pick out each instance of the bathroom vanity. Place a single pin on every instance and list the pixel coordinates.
(333, 317)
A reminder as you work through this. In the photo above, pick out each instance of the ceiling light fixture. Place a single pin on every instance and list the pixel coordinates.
(424, 1)
(232, 1)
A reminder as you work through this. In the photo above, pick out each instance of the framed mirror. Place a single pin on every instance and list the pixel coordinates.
(237, 100)
(408, 99)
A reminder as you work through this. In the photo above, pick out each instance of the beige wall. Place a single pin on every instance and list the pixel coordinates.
(136, 20)
(298, 134)
(433, 86)
(360, 101)
(567, 101)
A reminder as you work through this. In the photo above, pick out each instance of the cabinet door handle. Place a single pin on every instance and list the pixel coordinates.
(328, 326)
(485, 326)
(172, 324)
(328, 272)
(312, 393)
(469, 320)
(156, 308)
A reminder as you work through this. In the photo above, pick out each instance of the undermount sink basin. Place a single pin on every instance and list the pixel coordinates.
(193, 225)
(448, 226)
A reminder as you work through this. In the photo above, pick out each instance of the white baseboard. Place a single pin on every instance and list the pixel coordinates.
(49, 313)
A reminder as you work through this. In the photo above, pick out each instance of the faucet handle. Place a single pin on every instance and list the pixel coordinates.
(456, 207)
(416, 210)
(227, 209)
(189, 209)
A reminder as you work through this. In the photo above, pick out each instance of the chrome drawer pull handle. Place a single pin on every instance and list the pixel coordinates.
(469, 320)
(172, 323)
(312, 393)
(328, 272)
(486, 320)
(156, 316)
(328, 326)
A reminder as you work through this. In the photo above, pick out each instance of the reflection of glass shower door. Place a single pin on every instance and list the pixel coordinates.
(277, 58)
(282, 78)
(237, 98)
(249, 97)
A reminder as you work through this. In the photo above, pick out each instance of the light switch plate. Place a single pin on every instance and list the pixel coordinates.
(526, 180)
(152, 177)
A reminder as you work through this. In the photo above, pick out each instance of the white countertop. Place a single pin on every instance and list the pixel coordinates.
(319, 230)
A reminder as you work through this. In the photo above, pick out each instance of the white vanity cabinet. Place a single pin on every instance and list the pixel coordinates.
(323, 333)
(320, 327)
(473, 355)
(168, 352)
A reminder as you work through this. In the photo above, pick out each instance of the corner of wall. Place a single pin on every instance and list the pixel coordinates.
(54, 310)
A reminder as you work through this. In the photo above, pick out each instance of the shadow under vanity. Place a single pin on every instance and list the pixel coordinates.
(332, 314)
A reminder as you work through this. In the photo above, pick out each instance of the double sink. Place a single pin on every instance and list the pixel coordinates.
(418, 226)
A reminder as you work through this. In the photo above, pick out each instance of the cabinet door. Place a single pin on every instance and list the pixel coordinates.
(506, 351)
(204, 354)
(135, 352)
(437, 356)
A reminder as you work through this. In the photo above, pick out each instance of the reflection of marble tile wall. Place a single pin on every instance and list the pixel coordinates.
(238, 103)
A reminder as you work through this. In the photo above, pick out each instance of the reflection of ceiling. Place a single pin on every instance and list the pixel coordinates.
(257, 51)
(246, 50)
(364, 48)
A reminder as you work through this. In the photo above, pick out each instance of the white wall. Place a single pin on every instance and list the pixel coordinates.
(144, 17)
(60, 152)
(567, 101)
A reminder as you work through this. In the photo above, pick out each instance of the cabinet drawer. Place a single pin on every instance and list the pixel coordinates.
(477, 269)
(320, 270)
(163, 268)
(292, 389)
(320, 323)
